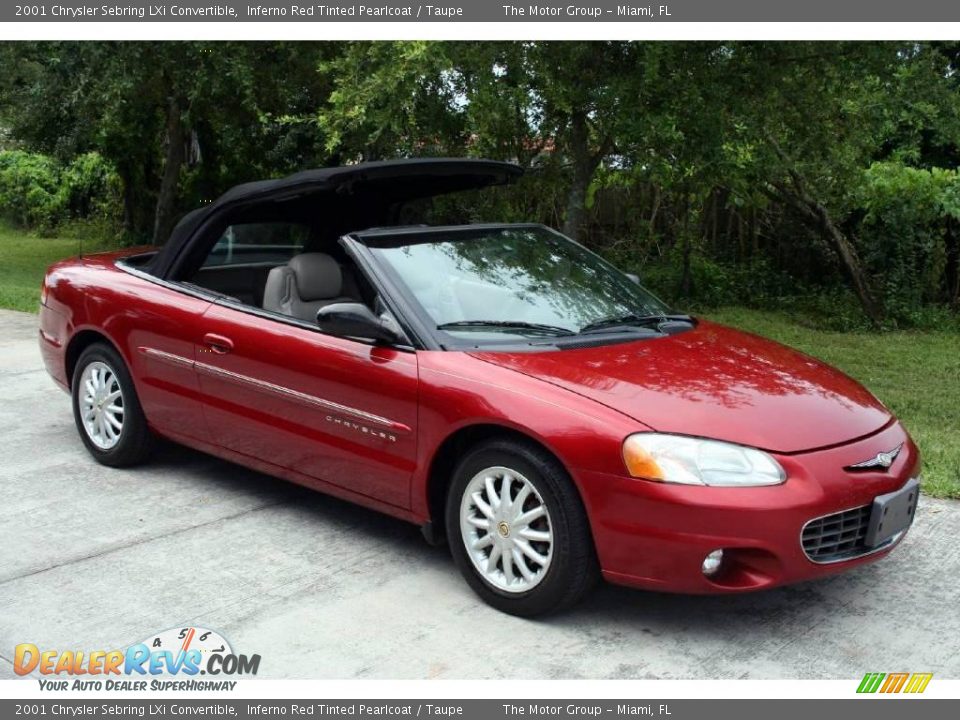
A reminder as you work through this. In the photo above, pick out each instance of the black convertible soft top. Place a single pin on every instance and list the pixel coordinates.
(362, 193)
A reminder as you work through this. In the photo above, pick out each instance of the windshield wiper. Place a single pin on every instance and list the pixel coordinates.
(506, 324)
(606, 323)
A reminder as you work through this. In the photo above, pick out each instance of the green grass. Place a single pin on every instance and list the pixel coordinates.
(917, 374)
(23, 260)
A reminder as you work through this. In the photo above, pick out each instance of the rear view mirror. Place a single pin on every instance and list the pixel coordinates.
(356, 320)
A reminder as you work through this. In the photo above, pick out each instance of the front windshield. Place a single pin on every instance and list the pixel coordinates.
(511, 281)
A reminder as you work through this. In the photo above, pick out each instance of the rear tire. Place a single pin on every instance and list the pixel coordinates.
(518, 530)
(106, 409)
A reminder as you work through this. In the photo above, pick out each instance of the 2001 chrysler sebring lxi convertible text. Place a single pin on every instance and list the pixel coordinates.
(498, 384)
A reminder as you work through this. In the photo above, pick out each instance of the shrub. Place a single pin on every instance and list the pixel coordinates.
(38, 193)
(713, 283)
(904, 233)
(30, 191)
(92, 187)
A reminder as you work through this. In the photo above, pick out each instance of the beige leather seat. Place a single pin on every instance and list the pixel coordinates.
(304, 285)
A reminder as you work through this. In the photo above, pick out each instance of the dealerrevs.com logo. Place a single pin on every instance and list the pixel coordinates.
(170, 660)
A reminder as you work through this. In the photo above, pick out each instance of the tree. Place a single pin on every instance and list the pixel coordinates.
(553, 103)
(772, 141)
(392, 99)
(174, 118)
(808, 119)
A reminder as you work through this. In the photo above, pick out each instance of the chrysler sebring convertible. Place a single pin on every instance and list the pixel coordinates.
(499, 385)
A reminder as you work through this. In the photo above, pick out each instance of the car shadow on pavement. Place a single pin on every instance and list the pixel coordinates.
(652, 613)
(272, 490)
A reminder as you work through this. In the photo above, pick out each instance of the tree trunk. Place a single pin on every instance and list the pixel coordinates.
(585, 165)
(173, 162)
(686, 278)
(580, 183)
(952, 271)
(652, 222)
(714, 204)
(129, 199)
(816, 215)
(138, 207)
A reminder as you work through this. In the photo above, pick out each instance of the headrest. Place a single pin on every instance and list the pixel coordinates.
(317, 276)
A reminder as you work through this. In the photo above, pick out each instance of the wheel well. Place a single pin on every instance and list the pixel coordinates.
(78, 343)
(451, 450)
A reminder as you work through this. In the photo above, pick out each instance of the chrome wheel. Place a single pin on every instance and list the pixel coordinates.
(101, 405)
(506, 529)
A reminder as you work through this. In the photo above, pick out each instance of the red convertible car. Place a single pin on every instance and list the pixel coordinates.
(499, 385)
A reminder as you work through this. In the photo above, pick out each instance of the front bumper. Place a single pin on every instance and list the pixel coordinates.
(655, 535)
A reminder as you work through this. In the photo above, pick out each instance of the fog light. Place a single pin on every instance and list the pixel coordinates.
(712, 562)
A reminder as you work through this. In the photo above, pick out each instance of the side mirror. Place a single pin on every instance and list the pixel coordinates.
(356, 320)
(634, 277)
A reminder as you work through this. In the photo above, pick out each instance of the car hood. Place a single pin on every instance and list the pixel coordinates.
(714, 381)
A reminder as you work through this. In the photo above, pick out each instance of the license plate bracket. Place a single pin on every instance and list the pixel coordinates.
(892, 514)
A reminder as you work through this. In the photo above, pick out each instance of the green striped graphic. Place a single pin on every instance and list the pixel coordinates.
(871, 682)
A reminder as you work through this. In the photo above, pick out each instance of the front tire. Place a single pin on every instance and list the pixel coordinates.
(518, 531)
(106, 409)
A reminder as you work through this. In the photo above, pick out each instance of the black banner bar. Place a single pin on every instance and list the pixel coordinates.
(879, 709)
(482, 11)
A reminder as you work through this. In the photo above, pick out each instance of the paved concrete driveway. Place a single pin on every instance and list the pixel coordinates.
(97, 558)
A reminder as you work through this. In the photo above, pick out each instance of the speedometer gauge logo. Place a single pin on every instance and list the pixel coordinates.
(182, 640)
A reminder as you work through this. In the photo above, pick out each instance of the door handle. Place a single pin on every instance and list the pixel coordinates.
(218, 343)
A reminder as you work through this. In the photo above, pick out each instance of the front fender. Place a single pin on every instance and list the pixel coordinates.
(458, 391)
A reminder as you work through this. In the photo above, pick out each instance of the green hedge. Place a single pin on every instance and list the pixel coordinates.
(910, 215)
(39, 193)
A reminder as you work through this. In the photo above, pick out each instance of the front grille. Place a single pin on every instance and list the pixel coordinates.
(837, 537)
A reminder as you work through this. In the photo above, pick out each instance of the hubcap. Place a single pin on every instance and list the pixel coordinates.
(101, 405)
(506, 529)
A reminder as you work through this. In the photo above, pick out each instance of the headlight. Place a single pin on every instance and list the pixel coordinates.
(693, 461)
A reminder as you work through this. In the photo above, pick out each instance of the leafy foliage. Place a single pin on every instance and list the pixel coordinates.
(36, 191)
(722, 171)
(910, 212)
(30, 191)
(229, 110)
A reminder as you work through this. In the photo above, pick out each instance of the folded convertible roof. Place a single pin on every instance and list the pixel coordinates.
(376, 184)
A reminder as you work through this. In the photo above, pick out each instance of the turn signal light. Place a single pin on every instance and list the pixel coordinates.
(640, 463)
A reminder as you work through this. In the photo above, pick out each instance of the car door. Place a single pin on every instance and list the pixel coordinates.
(338, 410)
(161, 324)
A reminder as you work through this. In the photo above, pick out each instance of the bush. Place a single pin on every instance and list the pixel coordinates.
(908, 211)
(904, 217)
(713, 283)
(38, 193)
(30, 191)
(92, 187)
